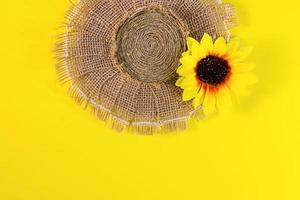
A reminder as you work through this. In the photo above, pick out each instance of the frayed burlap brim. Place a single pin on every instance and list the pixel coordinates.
(121, 57)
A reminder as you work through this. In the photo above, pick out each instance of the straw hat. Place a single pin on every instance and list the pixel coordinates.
(121, 56)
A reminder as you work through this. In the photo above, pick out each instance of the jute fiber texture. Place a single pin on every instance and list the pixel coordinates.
(120, 58)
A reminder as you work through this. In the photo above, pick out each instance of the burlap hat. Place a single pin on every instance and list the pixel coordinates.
(120, 57)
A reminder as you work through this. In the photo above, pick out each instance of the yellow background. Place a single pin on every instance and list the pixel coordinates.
(50, 148)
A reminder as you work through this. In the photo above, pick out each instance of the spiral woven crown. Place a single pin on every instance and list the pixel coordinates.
(121, 57)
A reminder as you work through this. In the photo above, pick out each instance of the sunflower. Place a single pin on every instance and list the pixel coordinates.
(213, 74)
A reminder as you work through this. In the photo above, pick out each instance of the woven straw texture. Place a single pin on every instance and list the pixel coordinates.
(121, 56)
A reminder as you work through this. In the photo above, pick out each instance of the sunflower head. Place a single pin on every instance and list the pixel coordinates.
(212, 73)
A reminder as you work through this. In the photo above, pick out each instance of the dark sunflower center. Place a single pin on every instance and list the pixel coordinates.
(213, 70)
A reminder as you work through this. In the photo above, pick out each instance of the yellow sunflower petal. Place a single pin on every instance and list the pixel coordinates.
(209, 103)
(185, 71)
(189, 94)
(224, 99)
(233, 45)
(240, 91)
(198, 52)
(242, 67)
(189, 82)
(241, 54)
(220, 47)
(199, 98)
(207, 42)
(239, 83)
(188, 61)
(241, 79)
(186, 53)
(190, 42)
(179, 81)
